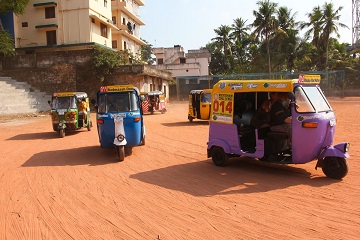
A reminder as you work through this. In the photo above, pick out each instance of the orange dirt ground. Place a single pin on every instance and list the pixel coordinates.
(71, 188)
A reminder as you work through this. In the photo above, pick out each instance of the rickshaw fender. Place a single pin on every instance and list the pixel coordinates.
(118, 143)
(335, 151)
(218, 143)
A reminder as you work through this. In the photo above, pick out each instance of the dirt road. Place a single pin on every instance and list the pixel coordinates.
(70, 188)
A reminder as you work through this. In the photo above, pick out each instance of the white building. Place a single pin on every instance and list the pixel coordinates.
(179, 63)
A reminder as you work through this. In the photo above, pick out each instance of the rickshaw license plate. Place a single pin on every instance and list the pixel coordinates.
(61, 112)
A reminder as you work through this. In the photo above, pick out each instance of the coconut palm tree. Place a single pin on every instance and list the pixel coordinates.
(240, 38)
(265, 24)
(223, 39)
(331, 24)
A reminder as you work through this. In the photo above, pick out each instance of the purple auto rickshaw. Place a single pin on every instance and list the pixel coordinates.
(238, 127)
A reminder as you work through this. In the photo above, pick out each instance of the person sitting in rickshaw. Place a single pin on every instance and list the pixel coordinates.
(82, 106)
(280, 120)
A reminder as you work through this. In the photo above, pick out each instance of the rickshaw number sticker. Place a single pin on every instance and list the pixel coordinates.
(61, 111)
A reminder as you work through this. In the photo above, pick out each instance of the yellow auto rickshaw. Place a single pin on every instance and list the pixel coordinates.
(199, 104)
(70, 111)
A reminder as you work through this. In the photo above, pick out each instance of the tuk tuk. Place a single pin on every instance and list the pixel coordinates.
(199, 104)
(234, 130)
(119, 118)
(70, 111)
(153, 101)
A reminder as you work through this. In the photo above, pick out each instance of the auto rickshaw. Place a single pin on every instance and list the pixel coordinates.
(199, 104)
(153, 101)
(70, 111)
(119, 118)
(233, 131)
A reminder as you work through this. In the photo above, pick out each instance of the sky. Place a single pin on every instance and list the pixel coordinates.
(191, 23)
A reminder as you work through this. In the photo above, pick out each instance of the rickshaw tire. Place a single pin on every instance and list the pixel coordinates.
(62, 133)
(142, 142)
(335, 167)
(89, 126)
(190, 119)
(219, 157)
(121, 153)
(163, 111)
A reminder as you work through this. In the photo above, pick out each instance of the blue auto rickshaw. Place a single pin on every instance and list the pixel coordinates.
(119, 118)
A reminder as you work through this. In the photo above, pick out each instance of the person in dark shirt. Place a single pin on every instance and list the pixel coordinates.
(280, 119)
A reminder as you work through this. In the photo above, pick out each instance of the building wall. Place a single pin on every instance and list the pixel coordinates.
(196, 61)
(72, 22)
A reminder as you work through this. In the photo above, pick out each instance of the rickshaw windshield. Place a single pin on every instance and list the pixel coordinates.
(64, 102)
(310, 99)
(206, 97)
(118, 102)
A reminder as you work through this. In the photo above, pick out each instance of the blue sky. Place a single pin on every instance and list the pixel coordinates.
(191, 23)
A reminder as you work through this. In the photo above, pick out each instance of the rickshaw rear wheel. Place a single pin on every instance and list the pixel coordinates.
(163, 110)
(142, 141)
(190, 118)
(89, 126)
(62, 133)
(219, 157)
(335, 167)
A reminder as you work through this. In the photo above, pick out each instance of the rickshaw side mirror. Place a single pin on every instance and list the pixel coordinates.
(291, 96)
(93, 101)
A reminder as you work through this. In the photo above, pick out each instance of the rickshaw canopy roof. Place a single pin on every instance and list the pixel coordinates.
(119, 88)
(70, 94)
(265, 85)
(153, 93)
(200, 91)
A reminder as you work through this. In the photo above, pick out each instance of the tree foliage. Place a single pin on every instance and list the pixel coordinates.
(275, 41)
(15, 6)
(104, 60)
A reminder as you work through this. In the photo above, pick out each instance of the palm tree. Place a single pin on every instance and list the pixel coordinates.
(223, 39)
(240, 38)
(265, 24)
(315, 25)
(331, 24)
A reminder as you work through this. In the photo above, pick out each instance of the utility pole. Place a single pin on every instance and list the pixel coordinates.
(355, 24)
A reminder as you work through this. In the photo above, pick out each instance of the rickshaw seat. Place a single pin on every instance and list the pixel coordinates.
(277, 135)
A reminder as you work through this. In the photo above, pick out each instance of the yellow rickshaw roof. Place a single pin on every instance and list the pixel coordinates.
(118, 88)
(265, 85)
(201, 91)
(70, 94)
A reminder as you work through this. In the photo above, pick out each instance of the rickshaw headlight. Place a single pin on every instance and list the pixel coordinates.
(346, 147)
(120, 137)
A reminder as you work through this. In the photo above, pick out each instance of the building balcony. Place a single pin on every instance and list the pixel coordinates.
(122, 6)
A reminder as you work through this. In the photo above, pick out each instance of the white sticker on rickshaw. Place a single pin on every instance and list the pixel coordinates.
(62, 111)
(103, 115)
(122, 115)
(219, 118)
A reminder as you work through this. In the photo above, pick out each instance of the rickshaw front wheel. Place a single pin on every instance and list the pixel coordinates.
(219, 157)
(121, 152)
(62, 133)
(335, 167)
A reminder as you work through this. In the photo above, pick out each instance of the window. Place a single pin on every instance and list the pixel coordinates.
(92, 20)
(124, 21)
(124, 45)
(105, 3)
(114, 44)
(182, 60)
(49, 12)
(103, 30)
(113, 20)
(24, 24)
(160, 61)
(51, 37)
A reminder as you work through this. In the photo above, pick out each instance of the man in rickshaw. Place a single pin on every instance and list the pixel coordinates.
(280, 120)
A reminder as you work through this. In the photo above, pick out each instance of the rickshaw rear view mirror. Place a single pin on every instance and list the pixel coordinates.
(291, 95)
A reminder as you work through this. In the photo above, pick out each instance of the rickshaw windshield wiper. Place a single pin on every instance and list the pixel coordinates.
(112, 105)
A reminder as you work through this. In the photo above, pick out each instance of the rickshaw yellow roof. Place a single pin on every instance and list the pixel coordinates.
(264, 85)
(69, 94)
(118, 88)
